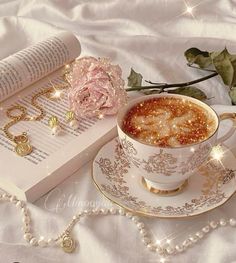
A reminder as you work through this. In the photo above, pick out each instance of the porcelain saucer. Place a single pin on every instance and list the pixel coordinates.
(211, 186)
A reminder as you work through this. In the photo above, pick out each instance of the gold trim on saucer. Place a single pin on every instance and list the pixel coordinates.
(142, 212)
(164, 192)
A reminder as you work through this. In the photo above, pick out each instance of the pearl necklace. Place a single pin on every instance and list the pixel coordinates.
(65, 241)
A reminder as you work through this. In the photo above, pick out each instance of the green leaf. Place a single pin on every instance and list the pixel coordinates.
(232, 94)
(134, 79)
(196, 56)
(189, 91)
(225, 65)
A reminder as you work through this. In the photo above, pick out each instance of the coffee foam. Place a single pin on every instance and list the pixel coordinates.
(169, 122)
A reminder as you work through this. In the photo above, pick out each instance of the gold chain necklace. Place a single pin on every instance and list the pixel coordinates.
(19, 113)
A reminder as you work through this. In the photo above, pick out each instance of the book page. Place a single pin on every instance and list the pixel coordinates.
(35, 62)
(44, 143)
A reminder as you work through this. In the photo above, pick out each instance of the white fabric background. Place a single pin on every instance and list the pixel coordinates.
(150, 36)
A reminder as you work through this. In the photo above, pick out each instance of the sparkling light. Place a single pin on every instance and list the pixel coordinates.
(100, 116)
(217, 153)
(192, 149)
(57, 93)
(189, 9)
(67, 66)
(163, 260)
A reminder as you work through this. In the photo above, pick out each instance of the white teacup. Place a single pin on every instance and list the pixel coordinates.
(165, 170)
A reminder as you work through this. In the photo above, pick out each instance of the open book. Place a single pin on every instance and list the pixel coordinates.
(54, 157)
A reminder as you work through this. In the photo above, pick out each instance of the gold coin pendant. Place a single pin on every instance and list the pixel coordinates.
(68, 244)
(23, 149)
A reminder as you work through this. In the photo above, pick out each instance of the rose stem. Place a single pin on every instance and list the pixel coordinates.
(164, 86)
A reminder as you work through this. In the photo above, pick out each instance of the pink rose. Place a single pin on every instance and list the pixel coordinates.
(97, 87)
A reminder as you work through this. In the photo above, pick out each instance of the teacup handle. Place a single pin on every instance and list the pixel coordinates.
(225, 116)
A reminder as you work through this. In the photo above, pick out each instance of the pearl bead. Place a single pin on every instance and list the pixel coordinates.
(13, 199)
(95, 211)
(74, 124)
(51, 242)
(56, 130)
(33, 242)
(42, 242)
(151, 247)
(113, 210)
(194, 239)
(26, 228)
(140, 225)
(19, 204)
(86, 212)
(206, 229)
(143, 232)
(223, 222)
(146, 241)
(24, 211)
(121, 212)
(179, 248)
(79, 214)
(159, 250)
(129, 215)
(232, 222)
(165, 245)
(187, 243)
(26, 220)
(213, 224)
(199, 234)
(27, 236)
(104, 211)
(170, 250)
(135, 219)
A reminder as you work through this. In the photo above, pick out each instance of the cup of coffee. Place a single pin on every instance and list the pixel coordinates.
(166, 137)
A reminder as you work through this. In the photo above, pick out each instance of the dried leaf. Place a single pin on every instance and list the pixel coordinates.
(196, 56)
(134, 79)
(225, 65)
(189, 91)
(232, 94)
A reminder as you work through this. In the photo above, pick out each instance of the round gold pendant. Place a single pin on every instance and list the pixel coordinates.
(68, 244)
(23, 149)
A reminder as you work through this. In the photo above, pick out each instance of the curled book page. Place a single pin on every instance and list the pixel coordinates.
(35, 62)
